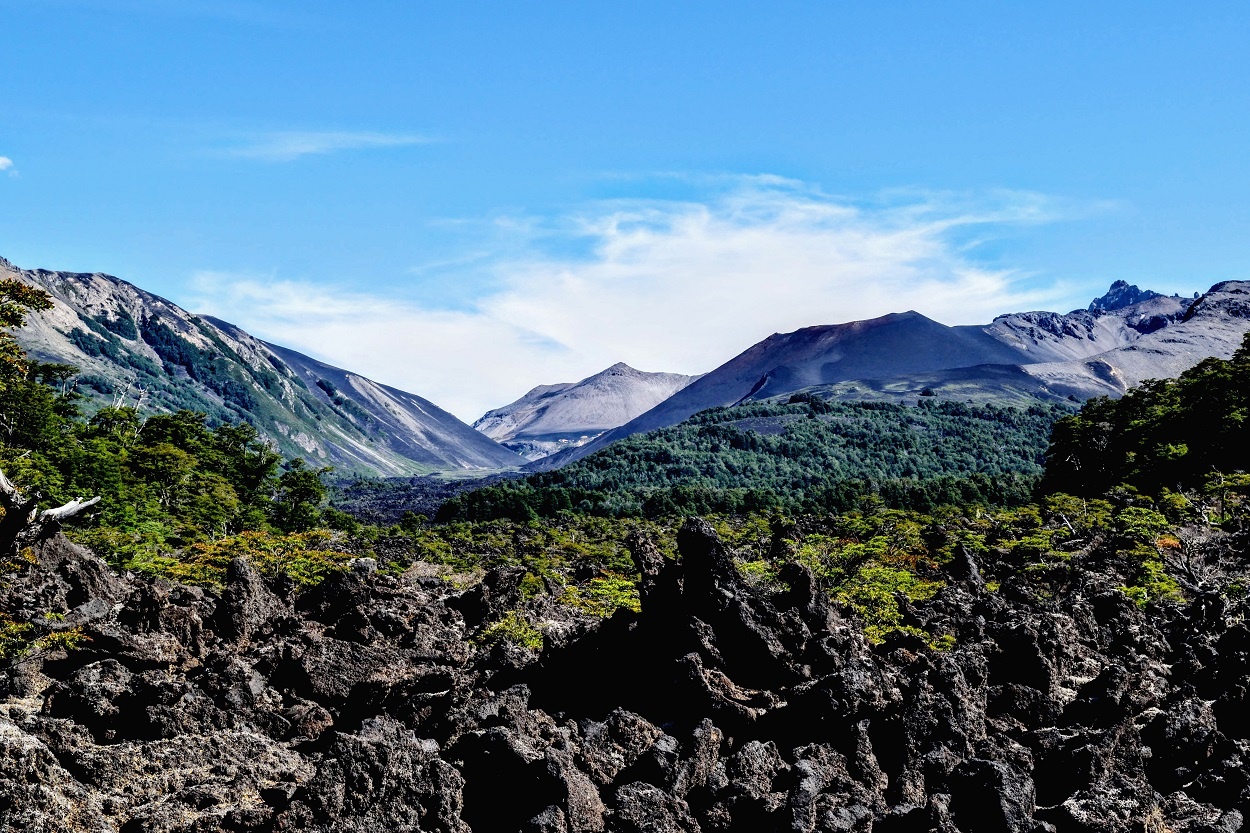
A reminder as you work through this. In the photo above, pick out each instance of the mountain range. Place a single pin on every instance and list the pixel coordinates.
(1123, 338)
(551, 418)
(136, 348)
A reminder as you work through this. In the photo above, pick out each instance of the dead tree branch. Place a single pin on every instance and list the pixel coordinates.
(23, 525)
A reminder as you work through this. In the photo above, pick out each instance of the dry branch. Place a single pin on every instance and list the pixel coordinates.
(23, 525)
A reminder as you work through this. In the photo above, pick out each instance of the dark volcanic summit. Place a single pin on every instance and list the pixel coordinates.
(1122, 294)
(786, 362)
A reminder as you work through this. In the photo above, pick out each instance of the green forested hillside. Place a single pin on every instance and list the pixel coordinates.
(807, 455)
(135, 348)
(1169, 433)
(165, 481)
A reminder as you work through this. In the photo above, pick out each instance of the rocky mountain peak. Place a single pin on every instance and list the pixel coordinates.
(551, 418)
(1122, 294)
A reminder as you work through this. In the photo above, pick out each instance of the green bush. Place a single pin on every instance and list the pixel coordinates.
(514, 628)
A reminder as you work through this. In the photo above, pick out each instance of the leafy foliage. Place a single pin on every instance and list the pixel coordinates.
(604, 595)
(514, 628)
(19, 639)
(167, 481)
(16, 300)
(1165, 433)
(305, 557)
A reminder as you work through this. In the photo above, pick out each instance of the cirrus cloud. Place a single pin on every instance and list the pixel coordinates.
(679, 286)
(286, 146)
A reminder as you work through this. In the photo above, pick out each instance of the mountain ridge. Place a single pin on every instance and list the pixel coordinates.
(134, 346)
(1017, 357)
(131, 344)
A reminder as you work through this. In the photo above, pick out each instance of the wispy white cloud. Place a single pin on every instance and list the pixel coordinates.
(286, 146)
(672, 286)
(6, 164)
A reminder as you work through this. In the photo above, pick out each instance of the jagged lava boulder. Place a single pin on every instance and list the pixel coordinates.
(366, 704)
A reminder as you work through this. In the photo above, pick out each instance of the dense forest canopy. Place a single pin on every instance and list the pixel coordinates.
(1167, 433)
(165, 480)
(807, 455)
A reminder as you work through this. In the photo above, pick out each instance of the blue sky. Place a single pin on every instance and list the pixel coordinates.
(468, 199)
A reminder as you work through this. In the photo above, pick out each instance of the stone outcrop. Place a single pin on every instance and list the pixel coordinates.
(366, 704)
(1122, 294)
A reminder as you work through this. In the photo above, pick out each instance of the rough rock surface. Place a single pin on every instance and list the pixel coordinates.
(365, 705)
(1122, 294)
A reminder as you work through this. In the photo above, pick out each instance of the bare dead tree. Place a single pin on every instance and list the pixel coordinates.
(141, 396)
(120, 399)
(1202, 560)
(22, 525)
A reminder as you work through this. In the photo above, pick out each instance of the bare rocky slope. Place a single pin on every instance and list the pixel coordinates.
(1213, 325)
(553, 417)
(366, 704)
(133, 346)
(1126, 336)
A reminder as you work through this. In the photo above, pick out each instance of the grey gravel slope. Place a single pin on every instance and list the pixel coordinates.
(1214, 325)
(552, 417)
